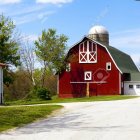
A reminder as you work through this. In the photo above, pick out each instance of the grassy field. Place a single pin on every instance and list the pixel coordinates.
(11, 117)
(67, 100)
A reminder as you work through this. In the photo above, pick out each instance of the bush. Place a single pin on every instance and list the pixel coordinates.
(44, 94)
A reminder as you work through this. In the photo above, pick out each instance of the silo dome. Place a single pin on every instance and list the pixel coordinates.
(99, 33)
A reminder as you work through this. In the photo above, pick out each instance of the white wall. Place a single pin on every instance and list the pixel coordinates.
(129, 91)
(1, 85)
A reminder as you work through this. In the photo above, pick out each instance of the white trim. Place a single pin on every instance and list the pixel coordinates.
(120, 83)
(111, 57)
(87, 54)
(99, 44)
(108, 64)
(100, 82)
(58, 84)
(131, 81)
(90, 75)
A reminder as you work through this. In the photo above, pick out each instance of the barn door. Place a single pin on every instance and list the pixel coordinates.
(92, 89)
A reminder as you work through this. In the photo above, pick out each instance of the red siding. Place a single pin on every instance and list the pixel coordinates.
(68, 89)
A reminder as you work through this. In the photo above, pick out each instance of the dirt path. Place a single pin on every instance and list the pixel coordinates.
(109, 120)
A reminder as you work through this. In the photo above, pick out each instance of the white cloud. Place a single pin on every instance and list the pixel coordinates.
(54, 1)
(2, 2)
(126, 39)
(30, 38)
(27, 18)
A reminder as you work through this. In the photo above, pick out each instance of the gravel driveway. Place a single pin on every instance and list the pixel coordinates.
(108, 120)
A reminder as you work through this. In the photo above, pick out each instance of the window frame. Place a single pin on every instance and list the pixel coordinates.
(138, 86)
(85, 75)
(86, 54)
(107, 65)
(131, 86)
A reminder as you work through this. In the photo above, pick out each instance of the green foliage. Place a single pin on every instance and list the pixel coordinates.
(44, 93)
(19, 88)
(50, 48)
(8, 46)
(49, 76)
(11, 117)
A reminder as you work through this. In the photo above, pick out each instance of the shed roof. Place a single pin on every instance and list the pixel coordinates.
(135, 76)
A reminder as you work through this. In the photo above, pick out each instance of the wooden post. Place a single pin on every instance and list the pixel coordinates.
(87, 89)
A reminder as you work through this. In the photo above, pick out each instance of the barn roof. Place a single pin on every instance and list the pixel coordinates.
(123, 60)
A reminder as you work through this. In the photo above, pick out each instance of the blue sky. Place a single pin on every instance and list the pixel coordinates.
(74, 18)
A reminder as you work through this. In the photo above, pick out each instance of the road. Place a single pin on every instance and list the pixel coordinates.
(108, 120)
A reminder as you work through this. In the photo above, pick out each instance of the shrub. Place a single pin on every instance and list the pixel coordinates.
(44, 93)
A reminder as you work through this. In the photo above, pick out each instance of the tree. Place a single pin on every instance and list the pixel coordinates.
(28, 60)
(20, 88)
(8, 47)
(50, 49)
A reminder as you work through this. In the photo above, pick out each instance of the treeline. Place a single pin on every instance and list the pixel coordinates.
(22, 88)
(31, 66)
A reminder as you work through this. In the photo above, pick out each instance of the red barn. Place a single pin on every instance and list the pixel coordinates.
(95, 68)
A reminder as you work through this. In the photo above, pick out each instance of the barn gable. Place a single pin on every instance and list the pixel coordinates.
(123, 61)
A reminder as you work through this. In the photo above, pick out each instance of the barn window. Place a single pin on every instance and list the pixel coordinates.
(137, 86)
(87, 52)
(88, 75)
(130, 86)
(108, 66)
(68, 67)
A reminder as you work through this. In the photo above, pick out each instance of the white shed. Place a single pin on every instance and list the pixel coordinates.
(1, 82)
(132, 87)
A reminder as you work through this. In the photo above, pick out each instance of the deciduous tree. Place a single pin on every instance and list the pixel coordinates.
(28, 59)
(50, 49)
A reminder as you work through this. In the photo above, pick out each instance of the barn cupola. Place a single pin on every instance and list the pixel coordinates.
(99, 33)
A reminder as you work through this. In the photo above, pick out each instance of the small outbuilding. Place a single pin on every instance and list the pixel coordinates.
(93, 68)
(1, 82)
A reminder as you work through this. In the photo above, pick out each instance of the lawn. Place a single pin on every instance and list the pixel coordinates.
(11, 117)
(68, 100)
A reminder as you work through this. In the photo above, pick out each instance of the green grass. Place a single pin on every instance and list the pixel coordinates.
(11, 117)
(68, 100)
